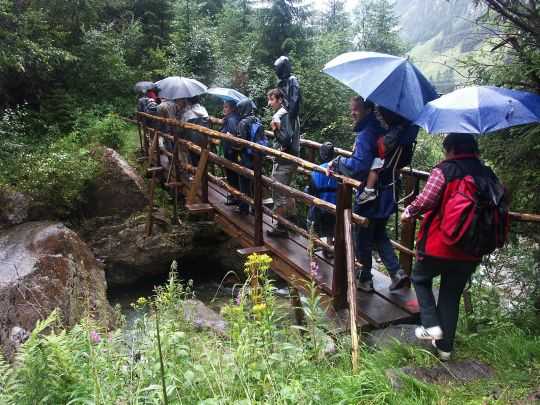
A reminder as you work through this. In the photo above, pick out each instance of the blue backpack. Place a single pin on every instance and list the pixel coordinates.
(257, 135)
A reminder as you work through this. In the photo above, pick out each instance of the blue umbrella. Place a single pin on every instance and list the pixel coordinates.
(226, 94)
(387, 80)
(479, 109)
(175, 87)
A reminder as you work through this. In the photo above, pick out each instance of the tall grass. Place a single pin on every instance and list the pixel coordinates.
(265, 360)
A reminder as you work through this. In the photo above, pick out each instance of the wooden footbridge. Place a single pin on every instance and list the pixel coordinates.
(205, 191)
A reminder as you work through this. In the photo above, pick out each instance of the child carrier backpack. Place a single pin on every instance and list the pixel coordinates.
(475, 215)
(257, 135)
(398, 152)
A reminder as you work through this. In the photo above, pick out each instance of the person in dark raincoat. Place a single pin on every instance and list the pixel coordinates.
(245, 109)
(230, 124)
(289, 85)
(368, 130)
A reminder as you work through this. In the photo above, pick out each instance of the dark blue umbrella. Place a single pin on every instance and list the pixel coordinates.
(479, 110)
(387, 80)
(226, 93)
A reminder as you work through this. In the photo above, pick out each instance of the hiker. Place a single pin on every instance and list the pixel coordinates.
(150, 97)
(323, 187)
(193, 112)
(290, 87)
(442, 202)
(288, 141)
(230, 123)
(249, 128)
(368, 130)
(167, 109)
(394, 150)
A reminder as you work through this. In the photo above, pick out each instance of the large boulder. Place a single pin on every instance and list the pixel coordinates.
(119, 190)
(129, 255)
(44, 266)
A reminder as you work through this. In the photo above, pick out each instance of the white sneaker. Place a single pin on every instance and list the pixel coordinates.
(443, 356)
(433, 333)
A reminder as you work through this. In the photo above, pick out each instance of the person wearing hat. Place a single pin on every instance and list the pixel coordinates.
(325, 188)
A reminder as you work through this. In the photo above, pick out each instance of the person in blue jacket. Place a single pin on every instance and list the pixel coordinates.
(368, 130)
(230, 124)
(325, 188)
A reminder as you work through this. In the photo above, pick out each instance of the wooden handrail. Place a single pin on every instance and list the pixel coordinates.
(265, 150)
(420, 174)
(271, 183)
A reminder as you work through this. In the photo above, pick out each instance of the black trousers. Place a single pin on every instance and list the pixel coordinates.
(232, 177)
(454, 275)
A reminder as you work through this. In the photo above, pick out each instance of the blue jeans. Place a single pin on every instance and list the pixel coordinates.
(374, 237)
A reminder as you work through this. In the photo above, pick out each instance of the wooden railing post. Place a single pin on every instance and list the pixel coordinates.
(258, 199)
(339, 276)
(408, 229)
(351, 284)
(140, 133)
(201, 178)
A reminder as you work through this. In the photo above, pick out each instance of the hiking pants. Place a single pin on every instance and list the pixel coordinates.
(232, 176)
(454, 275)
(372, 237)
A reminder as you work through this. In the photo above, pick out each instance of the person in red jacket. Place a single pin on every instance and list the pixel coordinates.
(434, 256)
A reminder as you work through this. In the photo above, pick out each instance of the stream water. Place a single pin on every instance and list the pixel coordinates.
(207, 289)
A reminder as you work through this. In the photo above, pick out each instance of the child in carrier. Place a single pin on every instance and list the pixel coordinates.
(394, 150)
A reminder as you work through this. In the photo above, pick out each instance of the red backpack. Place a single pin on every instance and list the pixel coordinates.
(475, 215)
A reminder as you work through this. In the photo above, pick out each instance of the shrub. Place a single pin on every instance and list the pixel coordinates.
(108, 131)
(56, 177)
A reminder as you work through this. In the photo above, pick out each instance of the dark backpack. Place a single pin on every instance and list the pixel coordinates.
(475, 215)
(257, 135)
(399, 149)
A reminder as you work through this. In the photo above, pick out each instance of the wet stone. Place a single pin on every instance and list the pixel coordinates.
(202, 317)
(463, 372)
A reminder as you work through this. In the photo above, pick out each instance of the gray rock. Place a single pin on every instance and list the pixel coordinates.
(18, 336)
(128, 254)
(453, 371)
(45, 266)
(203, 317)
(119, 190)
(14, 207)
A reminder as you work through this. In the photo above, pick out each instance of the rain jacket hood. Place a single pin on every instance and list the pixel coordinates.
(245, 107)
(283, 67)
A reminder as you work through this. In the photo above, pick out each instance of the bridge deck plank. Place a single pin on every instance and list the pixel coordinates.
(375, 308)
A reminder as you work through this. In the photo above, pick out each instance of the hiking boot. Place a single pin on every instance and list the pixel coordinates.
(365, 286)
(278, 232)
(433, 333)
(399, 280)
(443, 356)
(231, 200)
(241, 210)
(327, 254)
(367, 196)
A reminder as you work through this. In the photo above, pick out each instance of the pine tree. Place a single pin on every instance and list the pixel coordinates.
(335, 17)
(378, 27)
(282, 28)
